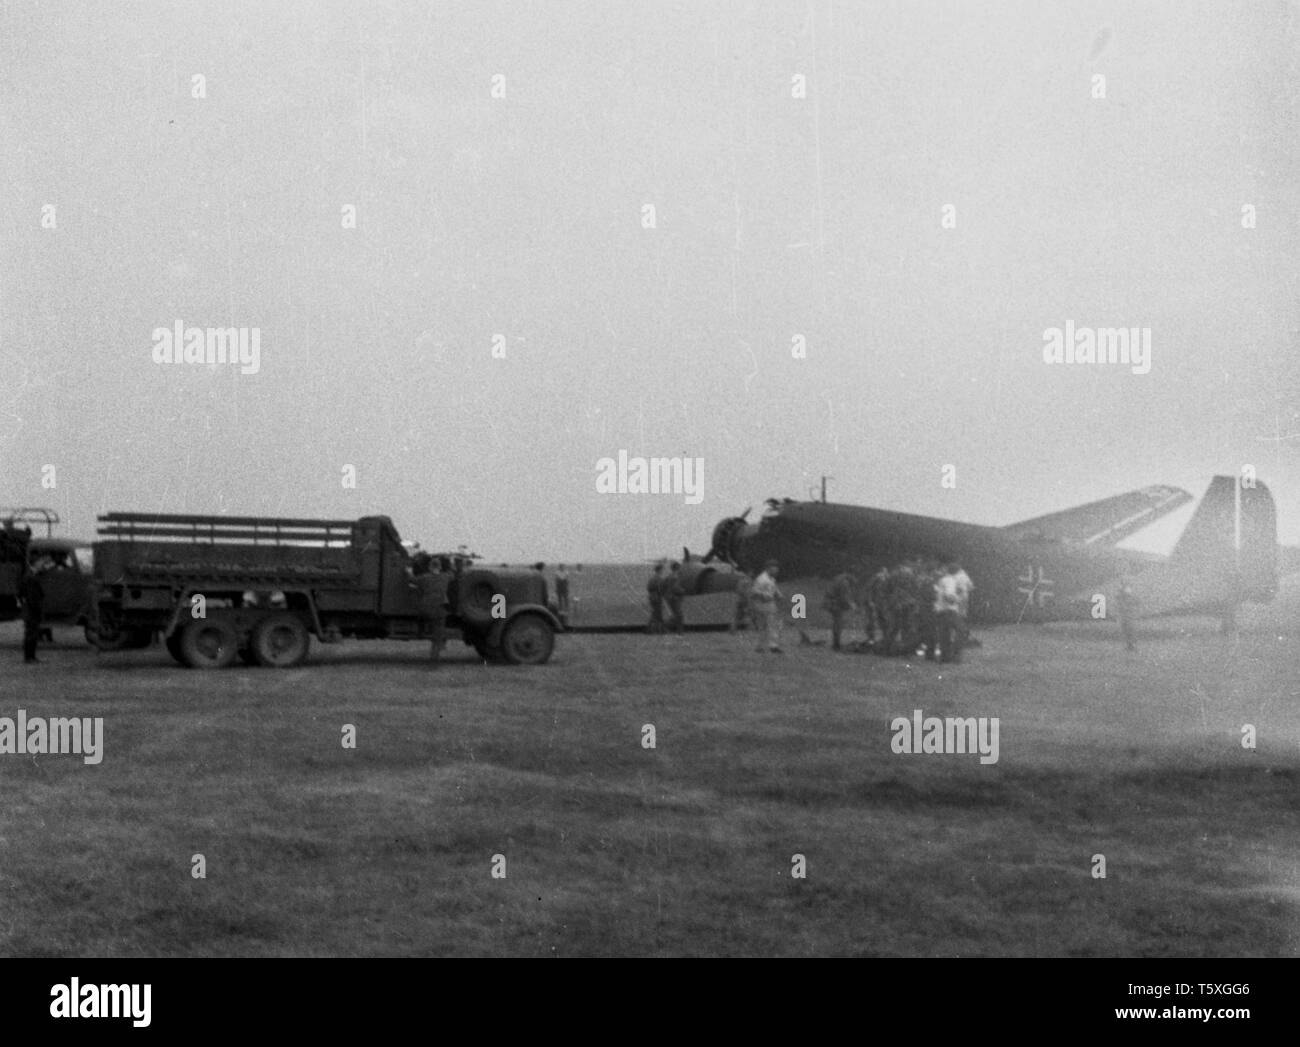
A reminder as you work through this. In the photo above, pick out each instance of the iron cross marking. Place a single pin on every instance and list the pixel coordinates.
(1034, 586)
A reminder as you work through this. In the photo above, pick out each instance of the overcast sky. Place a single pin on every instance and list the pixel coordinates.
(775, 216)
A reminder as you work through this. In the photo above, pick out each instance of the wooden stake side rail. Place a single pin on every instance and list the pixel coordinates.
(212, 530)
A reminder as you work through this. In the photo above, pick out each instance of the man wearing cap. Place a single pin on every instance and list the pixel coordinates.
(763, 597)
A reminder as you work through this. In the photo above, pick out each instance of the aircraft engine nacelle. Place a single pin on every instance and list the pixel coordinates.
(701, 579)
(725, 538)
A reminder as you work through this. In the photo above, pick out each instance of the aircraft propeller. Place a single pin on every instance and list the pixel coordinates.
(722, 535)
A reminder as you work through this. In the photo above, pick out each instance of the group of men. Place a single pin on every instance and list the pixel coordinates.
(562, 603)
(916, 605)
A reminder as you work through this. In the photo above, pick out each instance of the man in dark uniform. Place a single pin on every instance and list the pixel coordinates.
(562, 599)
(839, 602)
(31, 593)
(431, 587)
(674, 594)
(741, 618)
(654, 589)
(878, 595)
(927, 616)
(902, 611)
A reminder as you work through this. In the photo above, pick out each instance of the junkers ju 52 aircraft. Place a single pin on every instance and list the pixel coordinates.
(1045, 569)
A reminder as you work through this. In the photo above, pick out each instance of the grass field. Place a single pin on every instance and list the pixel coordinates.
(614, 849)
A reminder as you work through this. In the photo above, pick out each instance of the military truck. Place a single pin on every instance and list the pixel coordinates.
(218, 588)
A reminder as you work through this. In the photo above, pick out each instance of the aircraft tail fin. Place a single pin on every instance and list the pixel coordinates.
(1229, 549)
(1104, 522)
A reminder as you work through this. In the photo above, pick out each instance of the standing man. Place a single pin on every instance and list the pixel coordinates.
(673, 596)
(562, 595)
(902, 611)
(839, 601)
(654, 589)
(31, 594)
(927, 614)
(741, 618)
(946, 603)
(964, 588)
(763, 597)
(879, 597)
(431, 587)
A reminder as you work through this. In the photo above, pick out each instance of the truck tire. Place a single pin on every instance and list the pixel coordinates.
(173, 643)
(527, 640)
(209, 643)
(280, 641)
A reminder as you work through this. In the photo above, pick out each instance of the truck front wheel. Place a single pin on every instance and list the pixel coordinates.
(280, 641)
(527, 640)
(209, 643)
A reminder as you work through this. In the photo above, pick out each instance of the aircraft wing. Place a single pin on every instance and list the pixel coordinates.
(1105, 522)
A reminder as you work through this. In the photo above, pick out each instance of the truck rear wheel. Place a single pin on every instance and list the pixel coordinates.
(173, 643)
(209, 643)
(280, 641)
(527, 640)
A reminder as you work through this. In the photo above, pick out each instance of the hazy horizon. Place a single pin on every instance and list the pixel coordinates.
(776, 218)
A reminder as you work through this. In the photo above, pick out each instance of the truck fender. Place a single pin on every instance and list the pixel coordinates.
(498, 627)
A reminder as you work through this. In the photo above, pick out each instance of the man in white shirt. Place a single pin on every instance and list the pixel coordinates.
(763, 597)
(947, 601)
(964, 588)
